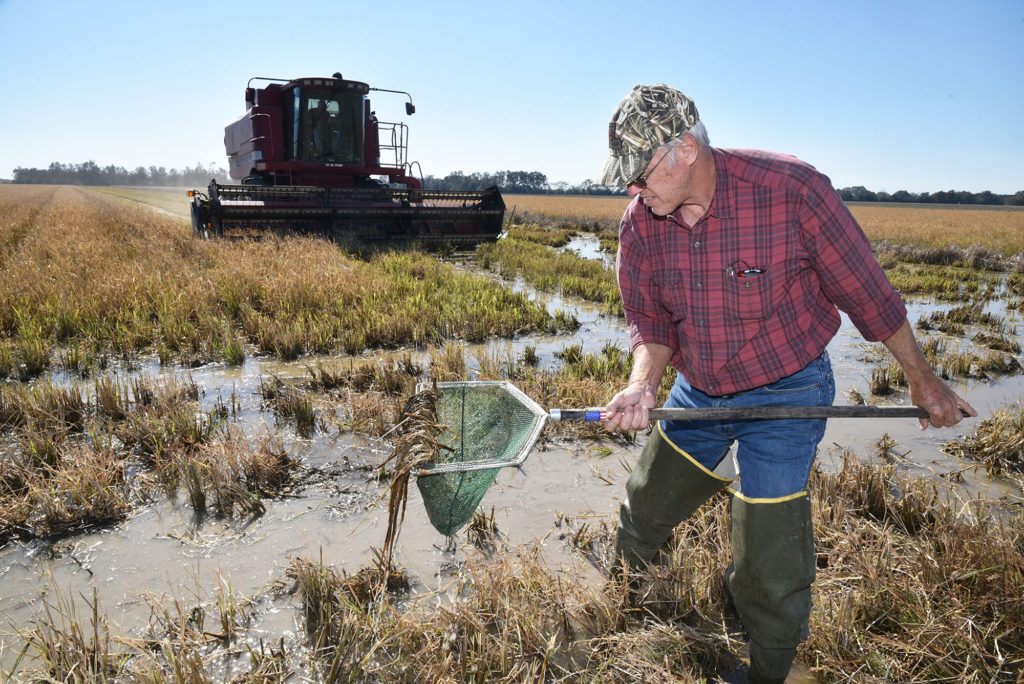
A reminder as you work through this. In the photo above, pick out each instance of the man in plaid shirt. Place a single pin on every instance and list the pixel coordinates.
(731, 267)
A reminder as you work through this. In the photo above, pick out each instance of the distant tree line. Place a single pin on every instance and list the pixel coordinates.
(515, 182)
(90, 173)
(535, 182)
(859, 193)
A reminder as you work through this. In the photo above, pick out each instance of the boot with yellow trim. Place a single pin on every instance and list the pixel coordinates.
(665, 487)
(770, 579)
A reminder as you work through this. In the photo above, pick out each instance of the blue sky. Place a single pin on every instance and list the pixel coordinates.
(921, 96)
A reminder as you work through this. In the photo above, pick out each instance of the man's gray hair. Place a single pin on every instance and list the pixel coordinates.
(699, 133)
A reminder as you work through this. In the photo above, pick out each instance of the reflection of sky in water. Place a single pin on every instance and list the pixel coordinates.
(589, 247)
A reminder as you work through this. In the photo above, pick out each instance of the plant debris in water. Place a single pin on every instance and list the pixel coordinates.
(416, 445)
(997, 443)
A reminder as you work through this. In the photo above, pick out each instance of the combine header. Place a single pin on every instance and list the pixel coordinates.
(312, 157)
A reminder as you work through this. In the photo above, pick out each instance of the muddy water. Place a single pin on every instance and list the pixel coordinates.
(161, 552)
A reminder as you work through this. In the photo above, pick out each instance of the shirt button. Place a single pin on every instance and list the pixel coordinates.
(696, 244)
(698, 283)
(704, 356)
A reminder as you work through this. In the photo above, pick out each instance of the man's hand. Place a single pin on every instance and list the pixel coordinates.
(630, 408)
(926, 389)
(943, 404)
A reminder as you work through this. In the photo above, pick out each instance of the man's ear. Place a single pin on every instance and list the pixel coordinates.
(687, 149)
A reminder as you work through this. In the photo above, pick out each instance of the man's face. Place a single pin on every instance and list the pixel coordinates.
(665, 183)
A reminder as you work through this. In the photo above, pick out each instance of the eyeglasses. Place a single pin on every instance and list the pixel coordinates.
(641, 180)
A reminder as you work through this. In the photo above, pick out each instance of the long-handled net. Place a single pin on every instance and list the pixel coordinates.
(492, 425)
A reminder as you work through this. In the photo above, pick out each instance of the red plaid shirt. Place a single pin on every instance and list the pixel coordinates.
(748, 295)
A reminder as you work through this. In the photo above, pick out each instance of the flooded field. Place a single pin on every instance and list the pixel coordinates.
(163, 559)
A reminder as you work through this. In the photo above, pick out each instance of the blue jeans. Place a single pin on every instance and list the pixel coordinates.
(774, 456)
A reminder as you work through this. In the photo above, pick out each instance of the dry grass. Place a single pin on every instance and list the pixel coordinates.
(76, 460)
(997, 443)
(171, 200)
(416, 444)
(995, 228)
(569, 207)
(86, 279)
(71, 650)
(903, 567)
(1001, 230)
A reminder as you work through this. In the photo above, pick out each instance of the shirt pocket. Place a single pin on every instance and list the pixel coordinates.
(671, 294)
(749, 297)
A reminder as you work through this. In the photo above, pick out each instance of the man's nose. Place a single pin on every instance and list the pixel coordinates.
(633, 190)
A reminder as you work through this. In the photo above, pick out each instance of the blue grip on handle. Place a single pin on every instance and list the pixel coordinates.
(592, 415)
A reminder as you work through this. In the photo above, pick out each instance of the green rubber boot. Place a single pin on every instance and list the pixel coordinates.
(770, 578)
(665, 487)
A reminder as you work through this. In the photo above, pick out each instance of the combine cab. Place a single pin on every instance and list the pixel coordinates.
(311, 157)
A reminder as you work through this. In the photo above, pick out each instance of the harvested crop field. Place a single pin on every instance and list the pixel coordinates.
(190, 435)
(999, 228)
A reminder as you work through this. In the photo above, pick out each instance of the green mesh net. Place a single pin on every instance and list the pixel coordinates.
(489, 426)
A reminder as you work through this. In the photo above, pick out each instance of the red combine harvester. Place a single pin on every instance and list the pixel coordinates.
(312, 157)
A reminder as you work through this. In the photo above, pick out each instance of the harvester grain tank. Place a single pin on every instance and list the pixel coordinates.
(311, 156)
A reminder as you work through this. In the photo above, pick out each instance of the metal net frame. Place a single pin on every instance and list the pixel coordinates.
(489, 425)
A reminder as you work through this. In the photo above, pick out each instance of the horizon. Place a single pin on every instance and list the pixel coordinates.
(556, 187)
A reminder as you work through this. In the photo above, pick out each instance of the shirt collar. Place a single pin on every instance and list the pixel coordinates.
(723, 203)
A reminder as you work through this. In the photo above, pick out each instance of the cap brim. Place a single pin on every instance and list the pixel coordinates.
(620, 169)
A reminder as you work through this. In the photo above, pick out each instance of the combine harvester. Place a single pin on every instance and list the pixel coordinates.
(312, 157)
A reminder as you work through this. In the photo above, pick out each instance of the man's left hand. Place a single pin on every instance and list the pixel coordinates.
(945, 407)
(926, 389)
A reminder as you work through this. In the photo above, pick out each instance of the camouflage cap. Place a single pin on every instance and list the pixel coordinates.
(646, 119)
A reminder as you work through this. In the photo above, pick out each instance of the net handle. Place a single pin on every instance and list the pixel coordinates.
(751, 413)
(596, 414)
